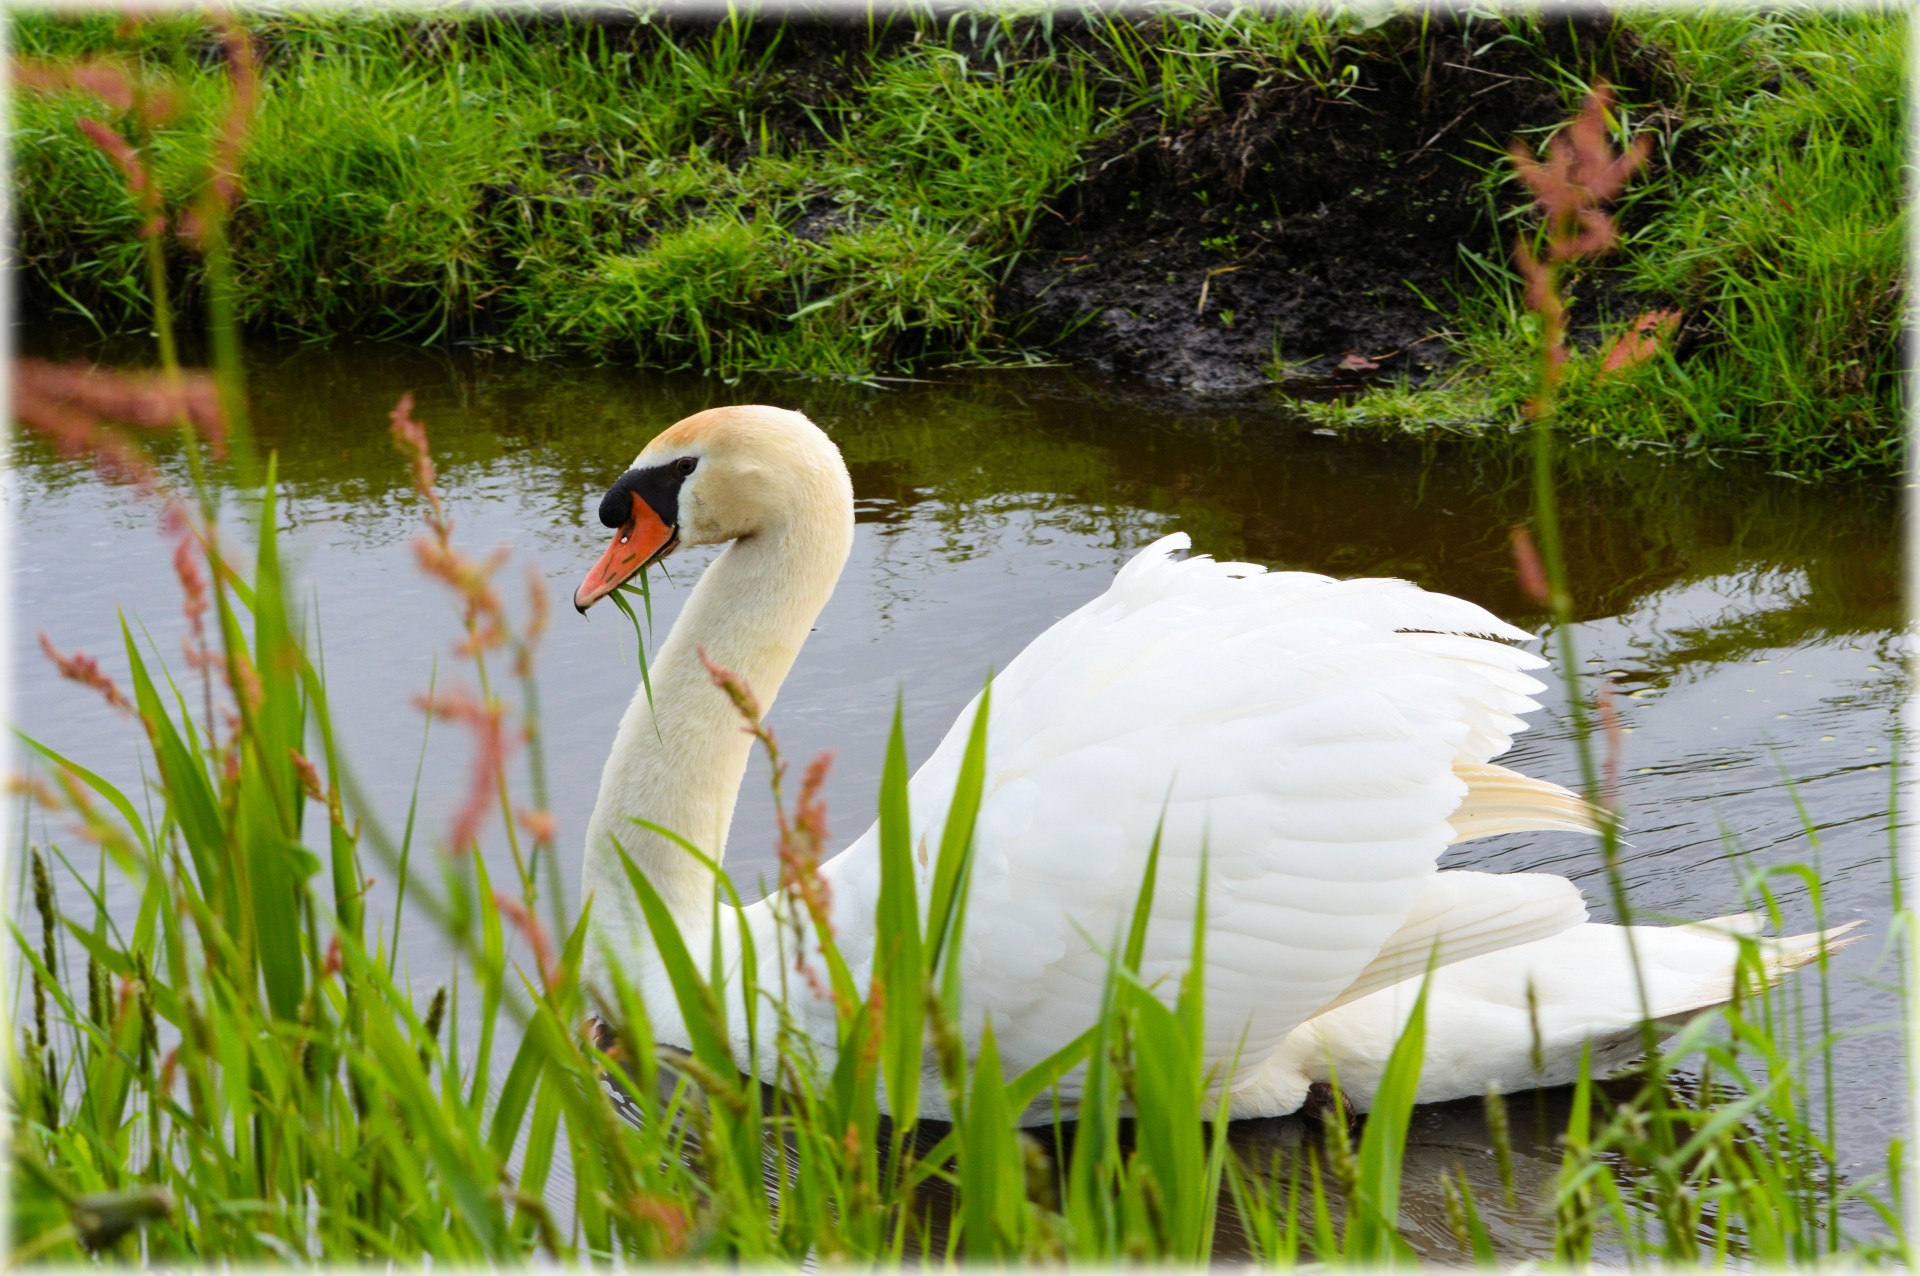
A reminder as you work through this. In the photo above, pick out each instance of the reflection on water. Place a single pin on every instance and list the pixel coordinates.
(1752, 626)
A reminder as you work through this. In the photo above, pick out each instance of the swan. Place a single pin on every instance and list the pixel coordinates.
(1319, 742)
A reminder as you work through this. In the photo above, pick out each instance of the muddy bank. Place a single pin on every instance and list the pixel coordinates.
(1295, 229)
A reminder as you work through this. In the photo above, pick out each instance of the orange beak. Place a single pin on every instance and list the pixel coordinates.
(639, 540)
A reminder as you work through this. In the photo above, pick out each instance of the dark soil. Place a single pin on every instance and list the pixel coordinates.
(1290, 231)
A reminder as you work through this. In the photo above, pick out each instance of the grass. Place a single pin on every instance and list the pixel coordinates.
(846, 200)
(1773, 219)
(1795, 253)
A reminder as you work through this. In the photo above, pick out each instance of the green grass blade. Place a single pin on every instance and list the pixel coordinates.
(639, 641)
(897, 940)
(112, 795)
(191, 801)
(989, 1204)
(1373, 1224)
(954, 864)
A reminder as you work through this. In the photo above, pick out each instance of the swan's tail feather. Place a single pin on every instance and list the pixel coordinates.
(1501, 800)
(1535, 1015)
(1790, 952)
(1780, 955)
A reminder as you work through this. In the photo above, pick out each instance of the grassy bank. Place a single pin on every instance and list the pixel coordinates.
(1771, 220)
(908, 191)
(671, 197)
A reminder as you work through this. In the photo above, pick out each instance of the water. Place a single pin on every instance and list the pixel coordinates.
(1753, 627)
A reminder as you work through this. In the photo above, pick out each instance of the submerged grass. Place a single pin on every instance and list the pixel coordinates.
(846, 198)
(229, 1068)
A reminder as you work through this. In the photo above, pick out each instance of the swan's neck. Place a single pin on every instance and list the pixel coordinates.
(678, 761)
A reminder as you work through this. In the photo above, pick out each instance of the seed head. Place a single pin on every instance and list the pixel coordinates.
(527, 924)
(140, 183)
(85, 670)
(1526, 564)
(486, 722)
(411, 438)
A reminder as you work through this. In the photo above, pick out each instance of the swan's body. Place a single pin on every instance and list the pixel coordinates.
(1319, 743)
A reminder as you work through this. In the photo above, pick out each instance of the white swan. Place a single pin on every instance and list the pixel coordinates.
(1323, 741)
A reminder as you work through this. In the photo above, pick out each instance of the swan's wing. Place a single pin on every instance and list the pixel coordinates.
(1299, 733)
(1461, 915)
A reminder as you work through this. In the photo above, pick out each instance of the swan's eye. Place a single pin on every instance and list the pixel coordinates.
(685, 465)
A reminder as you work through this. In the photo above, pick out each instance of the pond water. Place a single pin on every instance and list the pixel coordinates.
(1754, 627)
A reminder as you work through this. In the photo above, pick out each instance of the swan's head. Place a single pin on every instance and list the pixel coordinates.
(719, 475)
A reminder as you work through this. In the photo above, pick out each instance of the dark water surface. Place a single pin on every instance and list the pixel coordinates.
(1753, 626)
